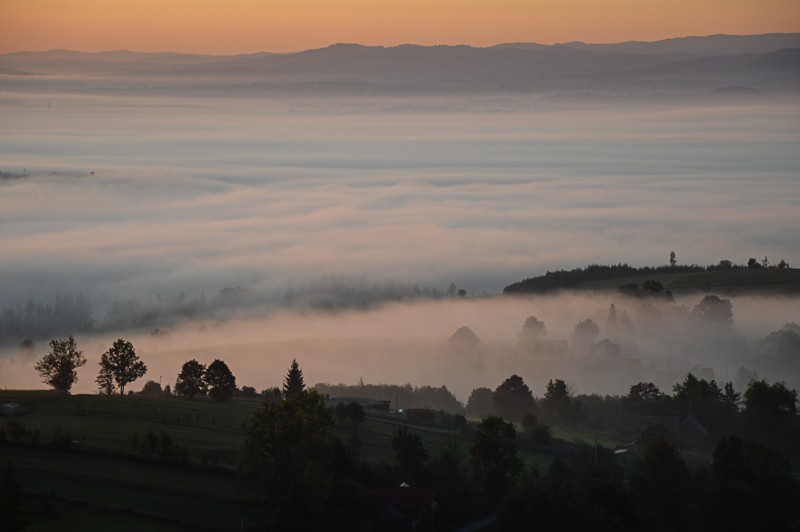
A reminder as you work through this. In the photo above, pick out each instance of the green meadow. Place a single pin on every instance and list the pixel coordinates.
(102, 482)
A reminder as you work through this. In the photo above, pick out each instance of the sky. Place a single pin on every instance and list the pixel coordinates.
(246, 26)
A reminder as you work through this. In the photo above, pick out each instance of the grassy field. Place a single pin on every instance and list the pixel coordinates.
(102, 483)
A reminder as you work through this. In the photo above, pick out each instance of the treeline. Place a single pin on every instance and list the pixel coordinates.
(36, 320)
(563, 279)
(403, 397)
(309, 480)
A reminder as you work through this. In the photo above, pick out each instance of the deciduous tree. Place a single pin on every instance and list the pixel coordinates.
(58, 367)
(479, 403)
(513, 399)
(493, 456)
(285, 452)
(123, 363)
(220, 381)
(409, 451)
(191, 380)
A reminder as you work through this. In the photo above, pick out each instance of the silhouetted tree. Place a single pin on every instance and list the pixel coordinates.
(661, 477)
(105, 380)
(272, 395)
(409, 452)
(493, 456)
(123, 363)
(286, 451)
(293, 383)
(220, 381)
(151, 388)
(752, 488)
(697, 396)
(557, 402)
(479, 403)
(646, 399)
(672, 259)
(191, 380)
(770, 407)
(58, 367)
(513, 399)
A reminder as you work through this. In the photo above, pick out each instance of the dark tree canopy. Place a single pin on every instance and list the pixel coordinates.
(714, 310)
(663, 481)
(191, 380)
(645, 398)
(697, 396)
(105, 380)
(123, 363)
(479, 403)
(220, 381)
(513, 399)
(752, 488)
(286, 452)
(557, 402)
(409, 451)
(493, 456)
(293, 383)
(58, 367)
(769, 404)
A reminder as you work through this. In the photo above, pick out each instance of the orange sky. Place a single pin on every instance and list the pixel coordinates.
(240, 26)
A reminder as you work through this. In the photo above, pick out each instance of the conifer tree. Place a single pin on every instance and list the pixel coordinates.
(293, 383)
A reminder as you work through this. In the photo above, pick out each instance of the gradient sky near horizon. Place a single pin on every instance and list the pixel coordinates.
(242, 26)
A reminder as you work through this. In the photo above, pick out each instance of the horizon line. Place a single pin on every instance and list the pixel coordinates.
(442, 45)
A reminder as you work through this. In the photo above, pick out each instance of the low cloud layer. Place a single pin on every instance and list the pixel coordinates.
(131, 198)
(411, 342)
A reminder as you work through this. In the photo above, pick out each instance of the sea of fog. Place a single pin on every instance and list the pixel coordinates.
(119, 197)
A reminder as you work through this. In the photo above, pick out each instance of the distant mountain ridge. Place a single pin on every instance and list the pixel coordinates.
(764, 63)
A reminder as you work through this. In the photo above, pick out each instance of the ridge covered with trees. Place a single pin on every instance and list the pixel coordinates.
(553, 281)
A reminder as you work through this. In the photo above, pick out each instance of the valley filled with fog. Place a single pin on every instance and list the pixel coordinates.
(206, 215)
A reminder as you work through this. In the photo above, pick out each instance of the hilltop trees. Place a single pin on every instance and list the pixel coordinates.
(513, 399)
(58, 367)
(105, 380)
(121, 362)
(645, 398)
(293, 383)
(191, 380)
(557, 403)
(479, 403)
(220, 381)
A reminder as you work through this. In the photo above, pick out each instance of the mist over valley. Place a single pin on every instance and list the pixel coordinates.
(235, 194)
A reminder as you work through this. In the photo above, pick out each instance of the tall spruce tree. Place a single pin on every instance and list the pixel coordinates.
(293, 383)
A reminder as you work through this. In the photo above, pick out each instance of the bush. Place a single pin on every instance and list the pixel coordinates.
(541, 435)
